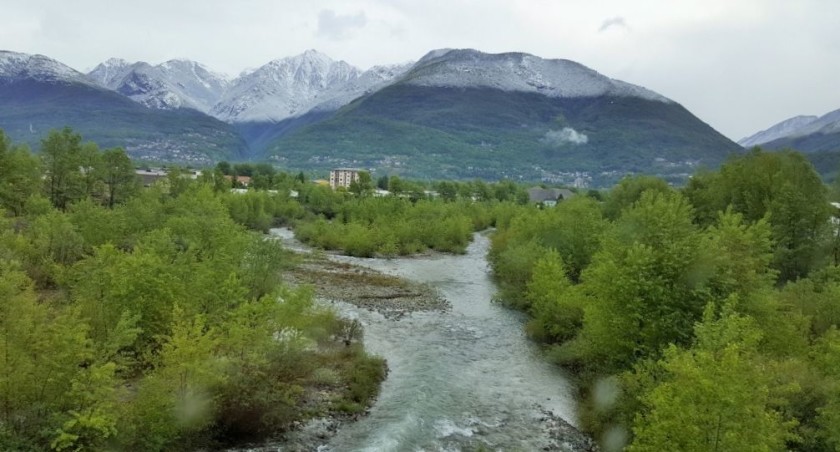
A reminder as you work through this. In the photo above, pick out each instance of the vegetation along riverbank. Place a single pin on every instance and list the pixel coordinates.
(163, 318)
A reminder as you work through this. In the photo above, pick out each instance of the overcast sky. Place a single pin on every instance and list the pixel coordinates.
(739, 65)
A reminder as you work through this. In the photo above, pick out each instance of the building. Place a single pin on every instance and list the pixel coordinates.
(549, 197)
(343, 177)
(149, 176)
(243, 181)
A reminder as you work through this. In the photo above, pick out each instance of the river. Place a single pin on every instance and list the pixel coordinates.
(463, 379)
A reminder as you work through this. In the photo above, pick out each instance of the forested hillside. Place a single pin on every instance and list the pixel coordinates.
(696, 319)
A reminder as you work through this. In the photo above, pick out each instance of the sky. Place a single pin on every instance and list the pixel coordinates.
(740, 66)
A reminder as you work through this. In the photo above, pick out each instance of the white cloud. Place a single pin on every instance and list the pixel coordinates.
(567, 135)
(615, 22)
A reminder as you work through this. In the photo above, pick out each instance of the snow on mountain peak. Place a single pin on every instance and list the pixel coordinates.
(785, 128)
(284, 88)
(437, 53)
(109, 72)
(798, 126)
(14, 65)
(312, 81)
(369, 81)
(178, 83)
(519, 72)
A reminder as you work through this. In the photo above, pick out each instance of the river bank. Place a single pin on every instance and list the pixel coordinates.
(462, 376)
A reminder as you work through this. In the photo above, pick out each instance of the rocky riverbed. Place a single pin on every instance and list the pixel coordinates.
(462, 375)
(391, 296)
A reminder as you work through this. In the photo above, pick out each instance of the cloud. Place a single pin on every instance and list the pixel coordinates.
(338, 27)
(564, 136)
(616, 21)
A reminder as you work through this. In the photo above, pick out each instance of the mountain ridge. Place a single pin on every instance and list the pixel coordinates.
(423, 124)
(454, 113)
(803, 133)
(38, 94)
(520, 72)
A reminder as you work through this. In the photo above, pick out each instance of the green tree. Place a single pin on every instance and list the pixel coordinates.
(629, 190)
(362, 186)
(90, 167)
(262, 266)
(177, 401)
(714, 396)
(448, 190)
(62, 159)
(481, 190)
(647, 283)
(45, 355)
(396, 185)
(556, 316)
(117, 172)
(178, 181)
(225, 168)
(93, 417)
(243, 169)
(506, 190)
(382, 182)
(785, 188)
(20, 175)
(827, 356)
(574, 228)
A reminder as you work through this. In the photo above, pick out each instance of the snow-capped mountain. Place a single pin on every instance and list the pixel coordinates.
(783, 129)
(170, 85)
(17, 66)
(110, 72)
(280, 89)
(519, 72)
(798, 132)
(454, 113)
(284, 88)
(369, 81)
(467, 114)
(38, 94)
(825, 124)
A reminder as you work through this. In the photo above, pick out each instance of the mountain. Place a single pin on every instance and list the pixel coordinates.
(284, 88)
(367, 82)
(17, 66)
(803, 133)
(259, 133)
(280, 90)
(464, 113)
(453, 114)
(170, 85)
(110, 72)
(780, 130)
(38, 94)
(519, 72)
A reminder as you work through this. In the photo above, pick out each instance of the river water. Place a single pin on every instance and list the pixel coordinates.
(463, 379)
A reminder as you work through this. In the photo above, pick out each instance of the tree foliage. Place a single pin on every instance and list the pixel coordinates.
(637, 308)
(715, 396)
(153, 319)
(782, 187)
